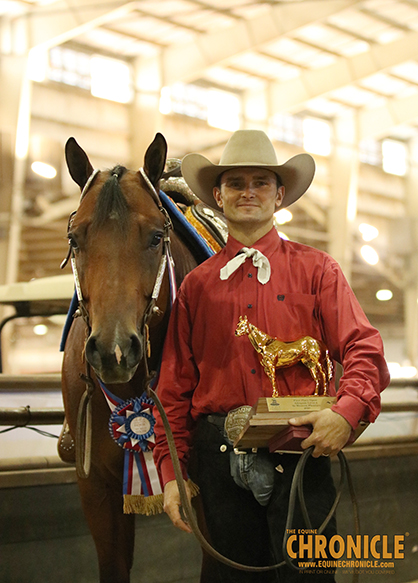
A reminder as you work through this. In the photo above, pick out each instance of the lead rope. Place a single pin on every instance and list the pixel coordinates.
(84, 413)
(296, 488)
(186, 506)
(84, 428)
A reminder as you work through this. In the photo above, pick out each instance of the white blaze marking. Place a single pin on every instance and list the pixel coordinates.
(118, 353)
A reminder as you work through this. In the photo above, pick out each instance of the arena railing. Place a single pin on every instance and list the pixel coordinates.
(51, 296)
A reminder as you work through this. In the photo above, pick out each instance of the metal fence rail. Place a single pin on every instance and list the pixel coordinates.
(23, 416)
(30, 383)
(37, 470)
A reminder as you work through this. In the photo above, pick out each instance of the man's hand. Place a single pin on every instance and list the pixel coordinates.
(172, 504)
(330, 431)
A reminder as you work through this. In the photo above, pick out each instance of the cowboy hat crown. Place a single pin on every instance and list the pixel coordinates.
(248, 148)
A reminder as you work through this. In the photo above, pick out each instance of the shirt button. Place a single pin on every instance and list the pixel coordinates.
(223, 448)
(253, 371)
(250, 275)
(249, 306)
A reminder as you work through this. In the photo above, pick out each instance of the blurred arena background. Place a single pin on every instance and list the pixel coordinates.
(335, 78)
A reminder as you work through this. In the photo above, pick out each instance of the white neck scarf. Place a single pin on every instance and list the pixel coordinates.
(259, 260)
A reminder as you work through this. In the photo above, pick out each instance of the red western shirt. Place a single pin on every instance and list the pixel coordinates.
(206, 368)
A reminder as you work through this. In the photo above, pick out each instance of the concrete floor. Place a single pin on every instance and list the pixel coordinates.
(44, 539)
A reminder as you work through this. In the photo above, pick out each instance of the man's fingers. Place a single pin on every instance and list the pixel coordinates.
(330, 432)
(311, 441)
(172, 505)
(176, 519)
(302, 420)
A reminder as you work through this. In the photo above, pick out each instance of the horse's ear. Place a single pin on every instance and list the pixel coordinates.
(78, 163)
(155, 157)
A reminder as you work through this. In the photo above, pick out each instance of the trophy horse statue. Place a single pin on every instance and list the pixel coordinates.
(277, 354)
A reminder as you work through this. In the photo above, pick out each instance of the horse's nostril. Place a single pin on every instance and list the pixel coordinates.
(92, 352)
(136, 347)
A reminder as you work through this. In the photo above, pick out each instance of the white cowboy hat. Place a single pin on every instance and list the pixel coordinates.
(249, 148)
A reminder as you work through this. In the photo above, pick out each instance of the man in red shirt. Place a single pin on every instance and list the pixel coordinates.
(287, 290)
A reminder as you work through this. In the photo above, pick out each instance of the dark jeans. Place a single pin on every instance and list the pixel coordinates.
(242, 529)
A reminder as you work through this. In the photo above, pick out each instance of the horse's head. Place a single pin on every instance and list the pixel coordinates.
(116, 238)
(242, 327)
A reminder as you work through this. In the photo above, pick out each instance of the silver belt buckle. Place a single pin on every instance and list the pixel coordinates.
(235, 422)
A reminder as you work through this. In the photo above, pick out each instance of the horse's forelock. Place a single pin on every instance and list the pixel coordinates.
(111, 202)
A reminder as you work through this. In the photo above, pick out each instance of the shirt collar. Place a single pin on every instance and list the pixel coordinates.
(269, 243)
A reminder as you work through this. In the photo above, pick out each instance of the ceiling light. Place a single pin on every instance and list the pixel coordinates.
(110, 79)
(44, 170)
(369, 255)
(40, 329)
(37, 64)
(223, 110)
(317, 136)
(283, 216)
(383, 295)
(165, 101)
(394, 155)
(368, 232)
(10, 8)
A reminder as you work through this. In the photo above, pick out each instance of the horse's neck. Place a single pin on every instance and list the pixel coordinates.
(257, 338)
(183, 258)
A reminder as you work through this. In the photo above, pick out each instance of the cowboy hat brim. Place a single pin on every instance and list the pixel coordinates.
(201, 176)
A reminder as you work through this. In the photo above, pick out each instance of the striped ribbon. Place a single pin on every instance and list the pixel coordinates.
(142, 486)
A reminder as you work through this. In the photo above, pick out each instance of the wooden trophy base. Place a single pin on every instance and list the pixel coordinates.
(268, 423)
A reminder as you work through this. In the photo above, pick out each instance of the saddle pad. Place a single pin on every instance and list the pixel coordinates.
(195, 240)
(210, 223)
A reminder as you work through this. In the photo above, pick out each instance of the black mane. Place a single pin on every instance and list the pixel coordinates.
(111, 202)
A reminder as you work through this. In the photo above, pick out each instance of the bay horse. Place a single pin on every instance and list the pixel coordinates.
(116, 241)
(277, 354)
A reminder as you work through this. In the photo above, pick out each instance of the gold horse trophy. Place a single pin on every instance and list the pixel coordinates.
(267, 422)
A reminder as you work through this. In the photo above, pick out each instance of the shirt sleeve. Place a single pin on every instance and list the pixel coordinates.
(177, 381)
(356, 344)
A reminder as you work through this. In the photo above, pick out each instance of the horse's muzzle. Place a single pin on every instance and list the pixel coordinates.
(116, 361)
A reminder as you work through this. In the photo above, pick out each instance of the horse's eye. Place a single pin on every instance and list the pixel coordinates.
(156, 240)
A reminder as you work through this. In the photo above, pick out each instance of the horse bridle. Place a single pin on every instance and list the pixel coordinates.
(166, 259)
(84, 417)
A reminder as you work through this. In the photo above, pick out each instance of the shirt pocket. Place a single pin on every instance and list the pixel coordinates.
(294, 316)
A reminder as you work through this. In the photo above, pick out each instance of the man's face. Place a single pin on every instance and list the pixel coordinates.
(249, 195)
